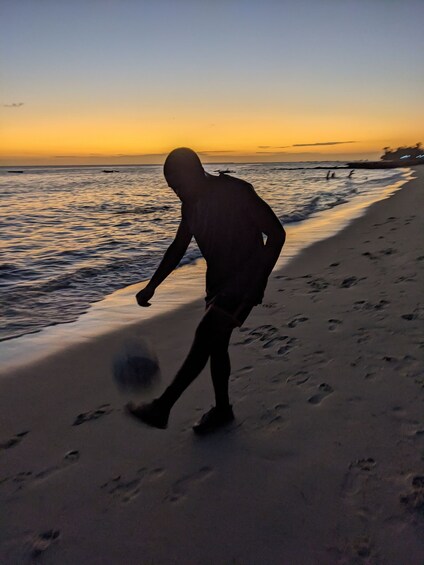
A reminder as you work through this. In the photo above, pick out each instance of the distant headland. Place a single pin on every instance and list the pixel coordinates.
(393, 158)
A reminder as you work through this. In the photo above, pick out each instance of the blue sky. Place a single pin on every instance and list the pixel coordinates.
(297, 71)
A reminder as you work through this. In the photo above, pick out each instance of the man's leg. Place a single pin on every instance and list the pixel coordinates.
(222, 413)
(206, 339)
(221, 369)
(211, 334)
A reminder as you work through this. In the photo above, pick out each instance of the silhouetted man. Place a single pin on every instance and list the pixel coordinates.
(228, 220)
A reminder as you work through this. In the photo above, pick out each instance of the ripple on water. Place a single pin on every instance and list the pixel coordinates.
(72, 235)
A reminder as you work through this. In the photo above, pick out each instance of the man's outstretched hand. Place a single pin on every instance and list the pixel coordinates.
(144, 296)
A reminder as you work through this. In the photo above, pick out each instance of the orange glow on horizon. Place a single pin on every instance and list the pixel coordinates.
(72, 141)
(126, 138)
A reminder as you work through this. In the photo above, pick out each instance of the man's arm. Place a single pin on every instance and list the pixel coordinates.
(262, 215)
(255, 275)
(170, 260)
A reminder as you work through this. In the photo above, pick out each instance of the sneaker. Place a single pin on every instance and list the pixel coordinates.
(213, 419)
(150, 413)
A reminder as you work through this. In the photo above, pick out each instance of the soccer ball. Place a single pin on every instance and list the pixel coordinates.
(136, 366)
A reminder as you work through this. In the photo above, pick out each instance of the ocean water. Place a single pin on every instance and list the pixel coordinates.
(72, 235)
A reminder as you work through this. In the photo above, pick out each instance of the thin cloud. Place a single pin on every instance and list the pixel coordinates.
(128, 155)
(274, 146)
(215, 151)
(302, 145)
(272, 152)
(322, 143)
(13, 105)
(109, 155)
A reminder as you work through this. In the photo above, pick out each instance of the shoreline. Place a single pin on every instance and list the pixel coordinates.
(118, 309)
(325, 462)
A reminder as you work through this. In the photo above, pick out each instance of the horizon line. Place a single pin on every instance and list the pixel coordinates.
(108, 165)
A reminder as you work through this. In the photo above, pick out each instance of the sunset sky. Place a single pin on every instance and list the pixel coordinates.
(125, 81)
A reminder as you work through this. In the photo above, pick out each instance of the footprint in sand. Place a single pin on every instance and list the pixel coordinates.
(298, 320)
(180, 488)
(125, 489)
(287, 346)
(365, 305)
(17, 482)
(390, 359)
(29, 478)
(272, 418)
(333, 324)
(350, 281)
(370, 255)
(362, 335)
(244, 370)
(264, 333)
(269, 305)
(410, 317)
(14, 441)
(357, 476)
(261, 333)
(359, 549)
(324, 391)
(414, 499)
(381, 304)
(43, 541)
(363, 464)
(388, 251)
(407, 278)
(318, 284)
(298, 378)
(72, 456)
(269, 337)
(92, 415)
(239, 373)
(272, 342)
(69, 458)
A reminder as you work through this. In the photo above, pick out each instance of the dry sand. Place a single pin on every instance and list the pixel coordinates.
(325, 463)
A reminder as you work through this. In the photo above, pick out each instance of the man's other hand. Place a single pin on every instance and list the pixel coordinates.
(144, 296)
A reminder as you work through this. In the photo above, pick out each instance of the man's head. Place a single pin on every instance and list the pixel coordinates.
(183, 171)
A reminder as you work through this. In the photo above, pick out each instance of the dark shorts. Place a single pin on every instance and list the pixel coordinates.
(234, 311)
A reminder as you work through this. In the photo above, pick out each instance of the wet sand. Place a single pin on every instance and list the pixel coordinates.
(325, 463)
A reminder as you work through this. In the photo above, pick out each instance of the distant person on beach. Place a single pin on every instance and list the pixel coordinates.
(228, 219)
(349, 176)
(333, 175)
(328, 175)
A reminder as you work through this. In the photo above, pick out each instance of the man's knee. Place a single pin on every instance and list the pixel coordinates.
(206, 330)
(211, 331)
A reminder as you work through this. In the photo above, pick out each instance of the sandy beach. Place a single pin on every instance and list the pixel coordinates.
(325, 462)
